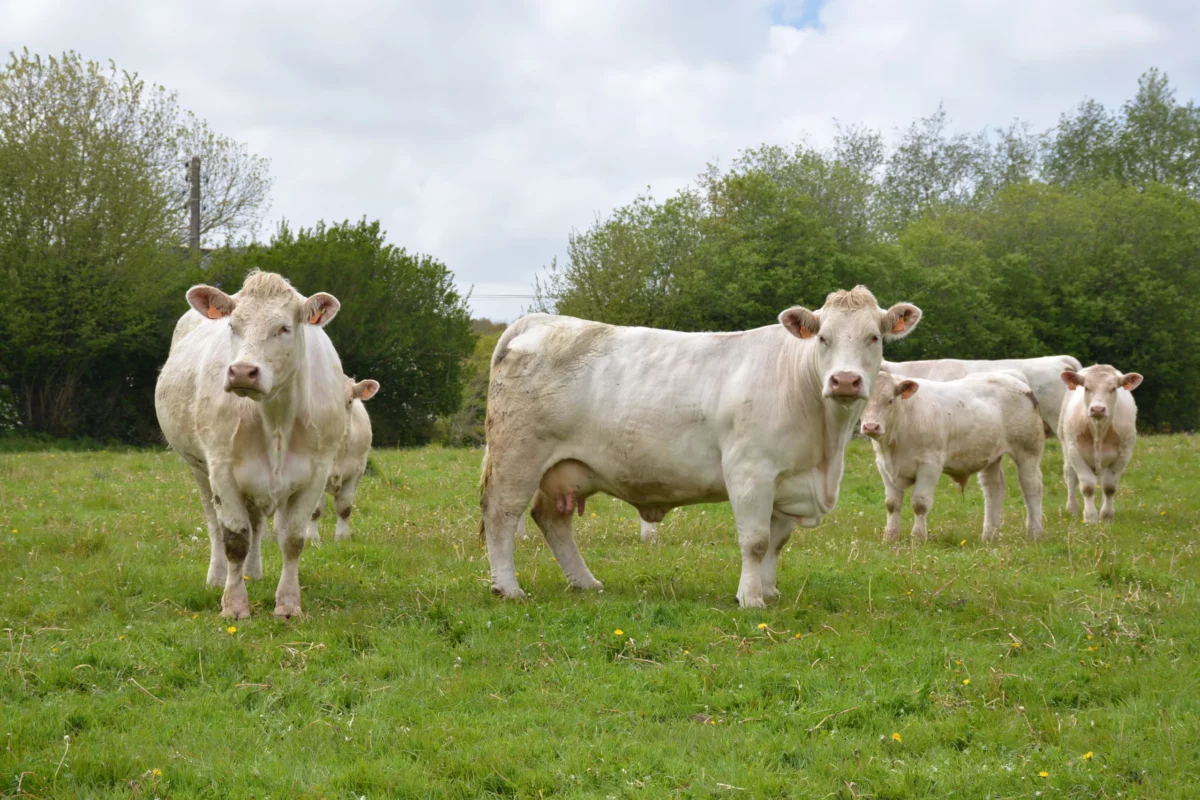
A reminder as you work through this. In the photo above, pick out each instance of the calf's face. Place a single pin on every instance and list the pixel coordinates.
(1100, 384)
(848, 332)
(266, 337)
(880, 413)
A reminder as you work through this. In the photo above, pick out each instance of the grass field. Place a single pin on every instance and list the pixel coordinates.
(1069, 668)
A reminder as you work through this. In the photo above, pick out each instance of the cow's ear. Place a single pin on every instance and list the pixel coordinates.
(1130, 381)
(907, 389)
(365, 390)
(320, 309)
(211, 302)
(800, 322)
(1072, 379)
(899, 321)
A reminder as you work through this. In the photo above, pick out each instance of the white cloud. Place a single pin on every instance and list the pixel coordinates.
(484, 132)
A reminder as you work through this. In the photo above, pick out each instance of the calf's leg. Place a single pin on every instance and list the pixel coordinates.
(343, 504)
(1072, 479)
(1029, 474)
(922, 499)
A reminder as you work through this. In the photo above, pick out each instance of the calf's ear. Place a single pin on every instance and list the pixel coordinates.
(899, 321)
(365, 390)
(320, 309)
(907, 389)
(1072, 380)
(1130, 381)
(211, 302)
(800, 322)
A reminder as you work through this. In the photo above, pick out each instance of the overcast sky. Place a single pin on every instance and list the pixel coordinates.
(483, 132)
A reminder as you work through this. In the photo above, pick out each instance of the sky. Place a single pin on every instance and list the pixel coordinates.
(484, 132)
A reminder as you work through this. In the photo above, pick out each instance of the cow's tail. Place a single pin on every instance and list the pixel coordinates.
(485, 485)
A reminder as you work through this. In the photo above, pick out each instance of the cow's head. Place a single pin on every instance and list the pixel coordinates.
(265, 319)
(880, 414)
(360, 390)
(1100, 383)
(848, 332)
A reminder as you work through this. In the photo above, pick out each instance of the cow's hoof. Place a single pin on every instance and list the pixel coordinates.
(1034, 534)
(770, 594)
(751, 602)
(1073, 511)
(341, 537)
(591, 585)
(288, 610)
(235, 609)
(991, 535)
(511, 593)
(891, 536)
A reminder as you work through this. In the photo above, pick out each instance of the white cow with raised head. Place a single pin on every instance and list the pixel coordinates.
(662, 419)
(1098, 429)
(252, 398)
(1042, 375)
(922, 429)
(351, 462)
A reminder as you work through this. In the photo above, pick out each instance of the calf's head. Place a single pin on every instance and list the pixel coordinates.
(880, 413)
(360, 390)
(265, 320)
(1100, 383)
(848, 332)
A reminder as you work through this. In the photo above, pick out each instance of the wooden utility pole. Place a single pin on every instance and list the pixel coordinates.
(194, 204)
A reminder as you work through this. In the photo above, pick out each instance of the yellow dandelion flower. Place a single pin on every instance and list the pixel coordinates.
(966, 681)
(896, 737)
(958, 663)
(156, 772)
(1164, 513)
(1014, 645)
(231, 629)
(762, 626)
(1043, 774)
(687, 652)
(593, 513)
(618, 632)
(1087, 755)
(964, 541)
(1092, 648)
(53, 649)
(798, 635)
(121, 637)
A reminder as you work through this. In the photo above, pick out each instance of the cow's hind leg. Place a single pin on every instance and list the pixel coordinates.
(1029, 474)
(991, 480)
(781, 530)
(508, 485)
(291, 525)
(555, 524)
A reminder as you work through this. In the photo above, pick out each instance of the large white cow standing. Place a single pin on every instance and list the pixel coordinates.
(252, 399)
(662, 419)
(351, 462)
(1042, 375)
(1098, 428)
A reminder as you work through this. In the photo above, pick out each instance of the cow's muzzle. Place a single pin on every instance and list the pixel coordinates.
(244, 380)
(845, 386)
(1098, 412)
(872, 429)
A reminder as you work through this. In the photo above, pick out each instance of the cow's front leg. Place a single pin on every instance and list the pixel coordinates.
(258, 527)
(236, 531)
(217, 565)
(781, 530)
(343, 504)
(291, 527)
(753, 498)
(893, 494)
(1110, 479)
(922, 498)
(1087, 485)
(313, 531)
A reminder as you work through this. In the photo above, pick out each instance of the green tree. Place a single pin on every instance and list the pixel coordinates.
(91, 165)
(402, 321)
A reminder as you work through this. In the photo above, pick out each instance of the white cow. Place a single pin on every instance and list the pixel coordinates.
(921, 429)
(661, 419)
(351, 461)
(252, 399)
(1098, 429)
(1042, 375)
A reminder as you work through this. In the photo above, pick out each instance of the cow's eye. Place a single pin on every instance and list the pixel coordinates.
(285, 329)
(874, 339)
(824, 341)
(891, 401)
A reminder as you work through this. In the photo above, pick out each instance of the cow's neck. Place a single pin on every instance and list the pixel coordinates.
(281, 413)
(836, 420)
